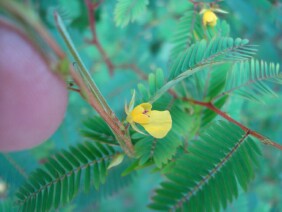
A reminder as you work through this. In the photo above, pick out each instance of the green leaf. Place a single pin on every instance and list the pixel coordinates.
(35, 203)
(205, 54)
(97, 130)
(77, 181)
(249, 80)
(45, 198)
(97, 180)
(155, 82)
(223, 149)
(87, 179)
(64, 162)
(159, 150)
(103, 171)
(128, 11)
(69, 157)
(57, 196)
(49, 201)
(65, 190)
(218, 50)
(48, 192)
(78, 155)
(71, 185)
(182, 38)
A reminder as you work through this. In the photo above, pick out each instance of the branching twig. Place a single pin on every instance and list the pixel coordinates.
(135, 68)
(91, 8)
(255, 134)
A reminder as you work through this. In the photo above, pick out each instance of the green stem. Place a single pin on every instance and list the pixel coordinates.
(83, 70)
(179, 78)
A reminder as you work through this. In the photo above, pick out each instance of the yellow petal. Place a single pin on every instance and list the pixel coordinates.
(141, 113)
(160, 123)
(209, 18)
(212, 23)
(146, 106)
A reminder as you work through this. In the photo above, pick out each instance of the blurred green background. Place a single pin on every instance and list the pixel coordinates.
(146, 44)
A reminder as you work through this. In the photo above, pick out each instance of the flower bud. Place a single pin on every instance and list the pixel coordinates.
(209, 18)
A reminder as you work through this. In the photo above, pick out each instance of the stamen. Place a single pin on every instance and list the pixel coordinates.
(145, 113)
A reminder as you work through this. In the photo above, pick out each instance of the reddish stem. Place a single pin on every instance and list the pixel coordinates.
(135, 68)
(108, 62)
(91, 8)
(112, 121)
(255, 134)
(74, 89)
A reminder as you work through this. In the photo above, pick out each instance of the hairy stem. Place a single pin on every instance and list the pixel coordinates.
(94, 97)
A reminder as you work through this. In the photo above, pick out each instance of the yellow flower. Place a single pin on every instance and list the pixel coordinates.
(156, 123)
(209, 18)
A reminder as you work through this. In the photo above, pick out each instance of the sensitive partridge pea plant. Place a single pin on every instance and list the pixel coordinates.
(180, 121)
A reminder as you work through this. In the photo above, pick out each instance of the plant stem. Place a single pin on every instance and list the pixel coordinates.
(166, 87)
(255, 134)
(134, 68)
(91, 7)
(15, 164)
(91, 92)
(111, 120)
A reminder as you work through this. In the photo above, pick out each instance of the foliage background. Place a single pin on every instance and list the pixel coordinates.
(146, 44)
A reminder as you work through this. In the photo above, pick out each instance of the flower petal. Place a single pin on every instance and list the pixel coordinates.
(141, 113)
(160, 123)
(209, 18)
(146, 106)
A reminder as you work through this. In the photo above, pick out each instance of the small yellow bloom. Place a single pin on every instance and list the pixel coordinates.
(156, 123)
(209, 18)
